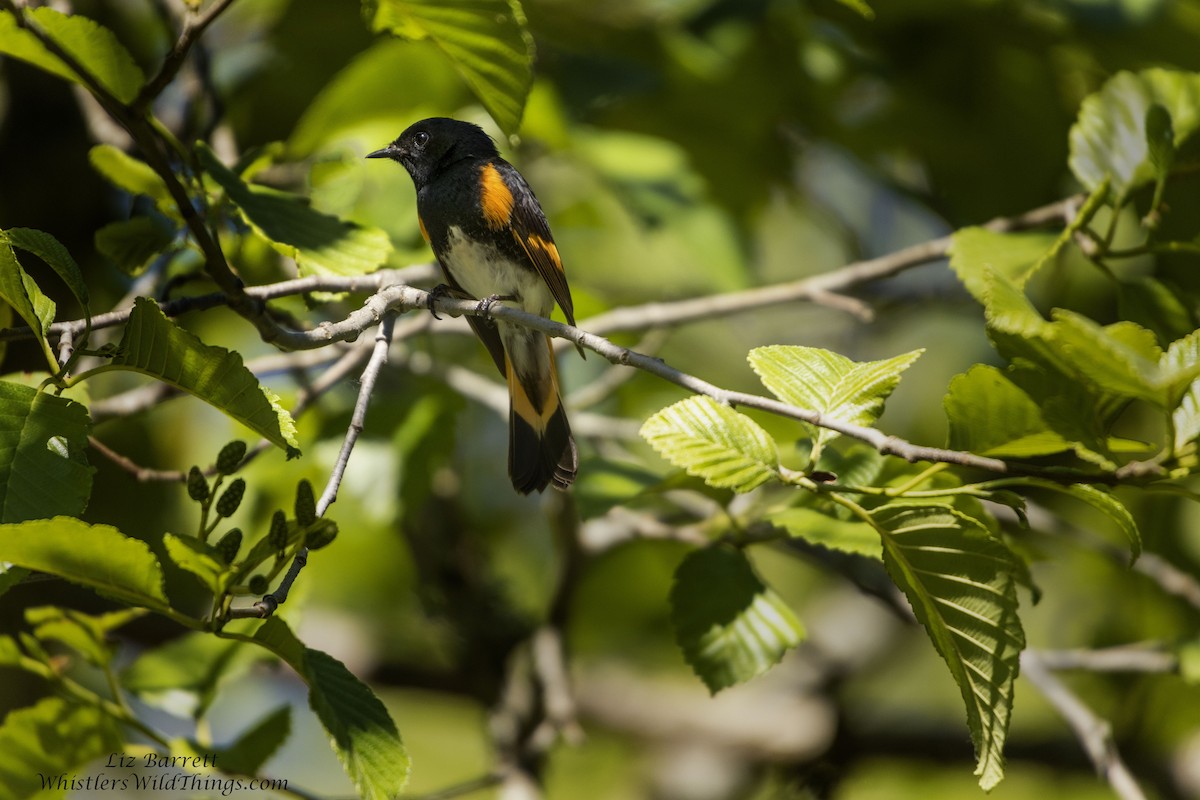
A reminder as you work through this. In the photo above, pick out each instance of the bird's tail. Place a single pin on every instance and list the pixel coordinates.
(541, 450)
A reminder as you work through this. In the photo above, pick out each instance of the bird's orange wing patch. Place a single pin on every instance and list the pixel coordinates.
(421, 225)
(495, 198)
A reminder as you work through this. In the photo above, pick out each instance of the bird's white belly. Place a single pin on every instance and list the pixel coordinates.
(483, 272)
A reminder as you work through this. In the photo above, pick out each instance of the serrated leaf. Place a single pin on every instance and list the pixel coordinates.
(19, 291)
(486, 40)
(729, 624)
(975, 252)
(51, 251)
(43, 471)
(198, 558)
(185, 674)
(361, 731)
(94, 47)
(97, 556)
(831, 384)
(1103, 501)
(256, 744)
(319, 243)
(154, 345)
(1109, 138)
(991, 416)
(962, 587)
(711, 441)
(849, 536)
(131, 174)
(48, 739)
(1117, 359)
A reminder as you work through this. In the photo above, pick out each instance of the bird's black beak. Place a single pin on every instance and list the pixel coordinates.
(386, 152)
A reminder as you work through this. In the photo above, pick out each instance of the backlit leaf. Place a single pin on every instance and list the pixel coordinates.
(486, 40)
(990, 416)
(711, 441)
(43, 471)
(730, 625)
(961, 584)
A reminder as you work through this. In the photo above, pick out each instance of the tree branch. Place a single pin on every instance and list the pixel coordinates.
(1094, 733)
(195, 24)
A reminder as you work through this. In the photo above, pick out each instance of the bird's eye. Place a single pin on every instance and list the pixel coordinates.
(421, 139)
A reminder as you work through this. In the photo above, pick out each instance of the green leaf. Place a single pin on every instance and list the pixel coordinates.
(1109, 139)
(91, 45)
(43, 472)
(1102, 500)
(133, 244)
(50, 738)
(97, 556)
(729, 624)
(185, 674)
(990, 416)
(19, 291)
(319, 243)
(361, 731)
(486, 40)
(831, 384)
(1120, 359)
(1154, 305)
(154, 345)
(849, 536)
(85, 633)
(1181, 384)
(198, 558)
(962, 587)
(976, 252)
(51, 251)
(131, 174)
(247, 754)
(711, 441)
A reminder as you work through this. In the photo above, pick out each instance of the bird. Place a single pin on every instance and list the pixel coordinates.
(493, 244)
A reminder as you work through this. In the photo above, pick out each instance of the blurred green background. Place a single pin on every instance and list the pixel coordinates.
(679, 148)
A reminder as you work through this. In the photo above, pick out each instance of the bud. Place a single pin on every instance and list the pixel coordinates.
(229, 545)
(197, 486)
(231, 498)
(258, 584)
(230, 457)
(306, 506)
(278, 534)
(320, 534)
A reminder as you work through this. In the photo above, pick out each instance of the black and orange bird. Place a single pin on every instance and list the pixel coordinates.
(492, 241)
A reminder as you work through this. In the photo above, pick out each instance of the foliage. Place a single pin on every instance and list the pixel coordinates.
(1069, 380)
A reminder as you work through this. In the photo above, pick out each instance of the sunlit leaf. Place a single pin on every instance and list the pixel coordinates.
(486, 40)
(97, 556)
(847, 535)
(714, 442)
(990, 416)
(198, 558)
(361, 731)
(319, 243)
(962, 587)
(975, 252)
(831, 384)
(19, 291)
(730, 625)
(51, 251)
(93, 46)
(1109, 138)
(48, 739)
(131, 174)
(154, 345)
(43, 471)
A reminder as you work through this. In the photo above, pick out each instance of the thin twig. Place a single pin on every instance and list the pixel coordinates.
(1141, 657)
(383, 339)
(140, 473)
(196, 23)
(1094, 733)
